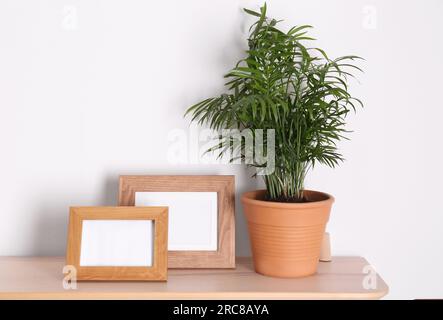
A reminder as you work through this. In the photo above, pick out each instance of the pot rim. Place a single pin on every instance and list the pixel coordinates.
(249, 198)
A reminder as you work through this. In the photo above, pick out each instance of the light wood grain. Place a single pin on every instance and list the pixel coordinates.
(156, 272)
(224, 257)
(41, 278)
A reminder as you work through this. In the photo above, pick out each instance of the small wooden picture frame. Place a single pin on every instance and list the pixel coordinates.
(201, 215)
(118, 243)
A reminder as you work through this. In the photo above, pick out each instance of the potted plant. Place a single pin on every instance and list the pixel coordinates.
(302, 95)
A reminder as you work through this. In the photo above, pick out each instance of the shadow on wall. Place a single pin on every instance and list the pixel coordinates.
(50, 230)
(242, 184)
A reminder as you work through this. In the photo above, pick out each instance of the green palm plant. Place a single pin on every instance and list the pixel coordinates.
(296, 90)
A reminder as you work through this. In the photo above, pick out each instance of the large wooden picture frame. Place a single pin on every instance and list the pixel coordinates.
(223, 255)
(155, 271)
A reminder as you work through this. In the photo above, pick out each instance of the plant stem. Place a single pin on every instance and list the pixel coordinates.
(286, 185)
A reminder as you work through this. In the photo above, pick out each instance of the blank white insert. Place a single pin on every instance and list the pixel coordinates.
(117, 243)
(192, 218)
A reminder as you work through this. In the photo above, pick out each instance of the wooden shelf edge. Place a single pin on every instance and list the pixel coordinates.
(40, 278)
(190, 296)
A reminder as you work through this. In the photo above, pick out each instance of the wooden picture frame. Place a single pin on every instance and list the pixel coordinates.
(156, 271)
(224, 254)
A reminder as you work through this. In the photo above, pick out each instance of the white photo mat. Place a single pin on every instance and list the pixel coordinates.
(193, 218)
(117, 243)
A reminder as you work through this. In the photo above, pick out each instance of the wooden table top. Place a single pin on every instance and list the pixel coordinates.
(343, 278)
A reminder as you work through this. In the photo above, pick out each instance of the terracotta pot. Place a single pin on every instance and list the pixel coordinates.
(286, 237)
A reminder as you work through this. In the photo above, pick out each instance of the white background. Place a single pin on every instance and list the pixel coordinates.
(81, 104)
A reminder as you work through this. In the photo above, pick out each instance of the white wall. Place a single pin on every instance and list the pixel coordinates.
(82, 101)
